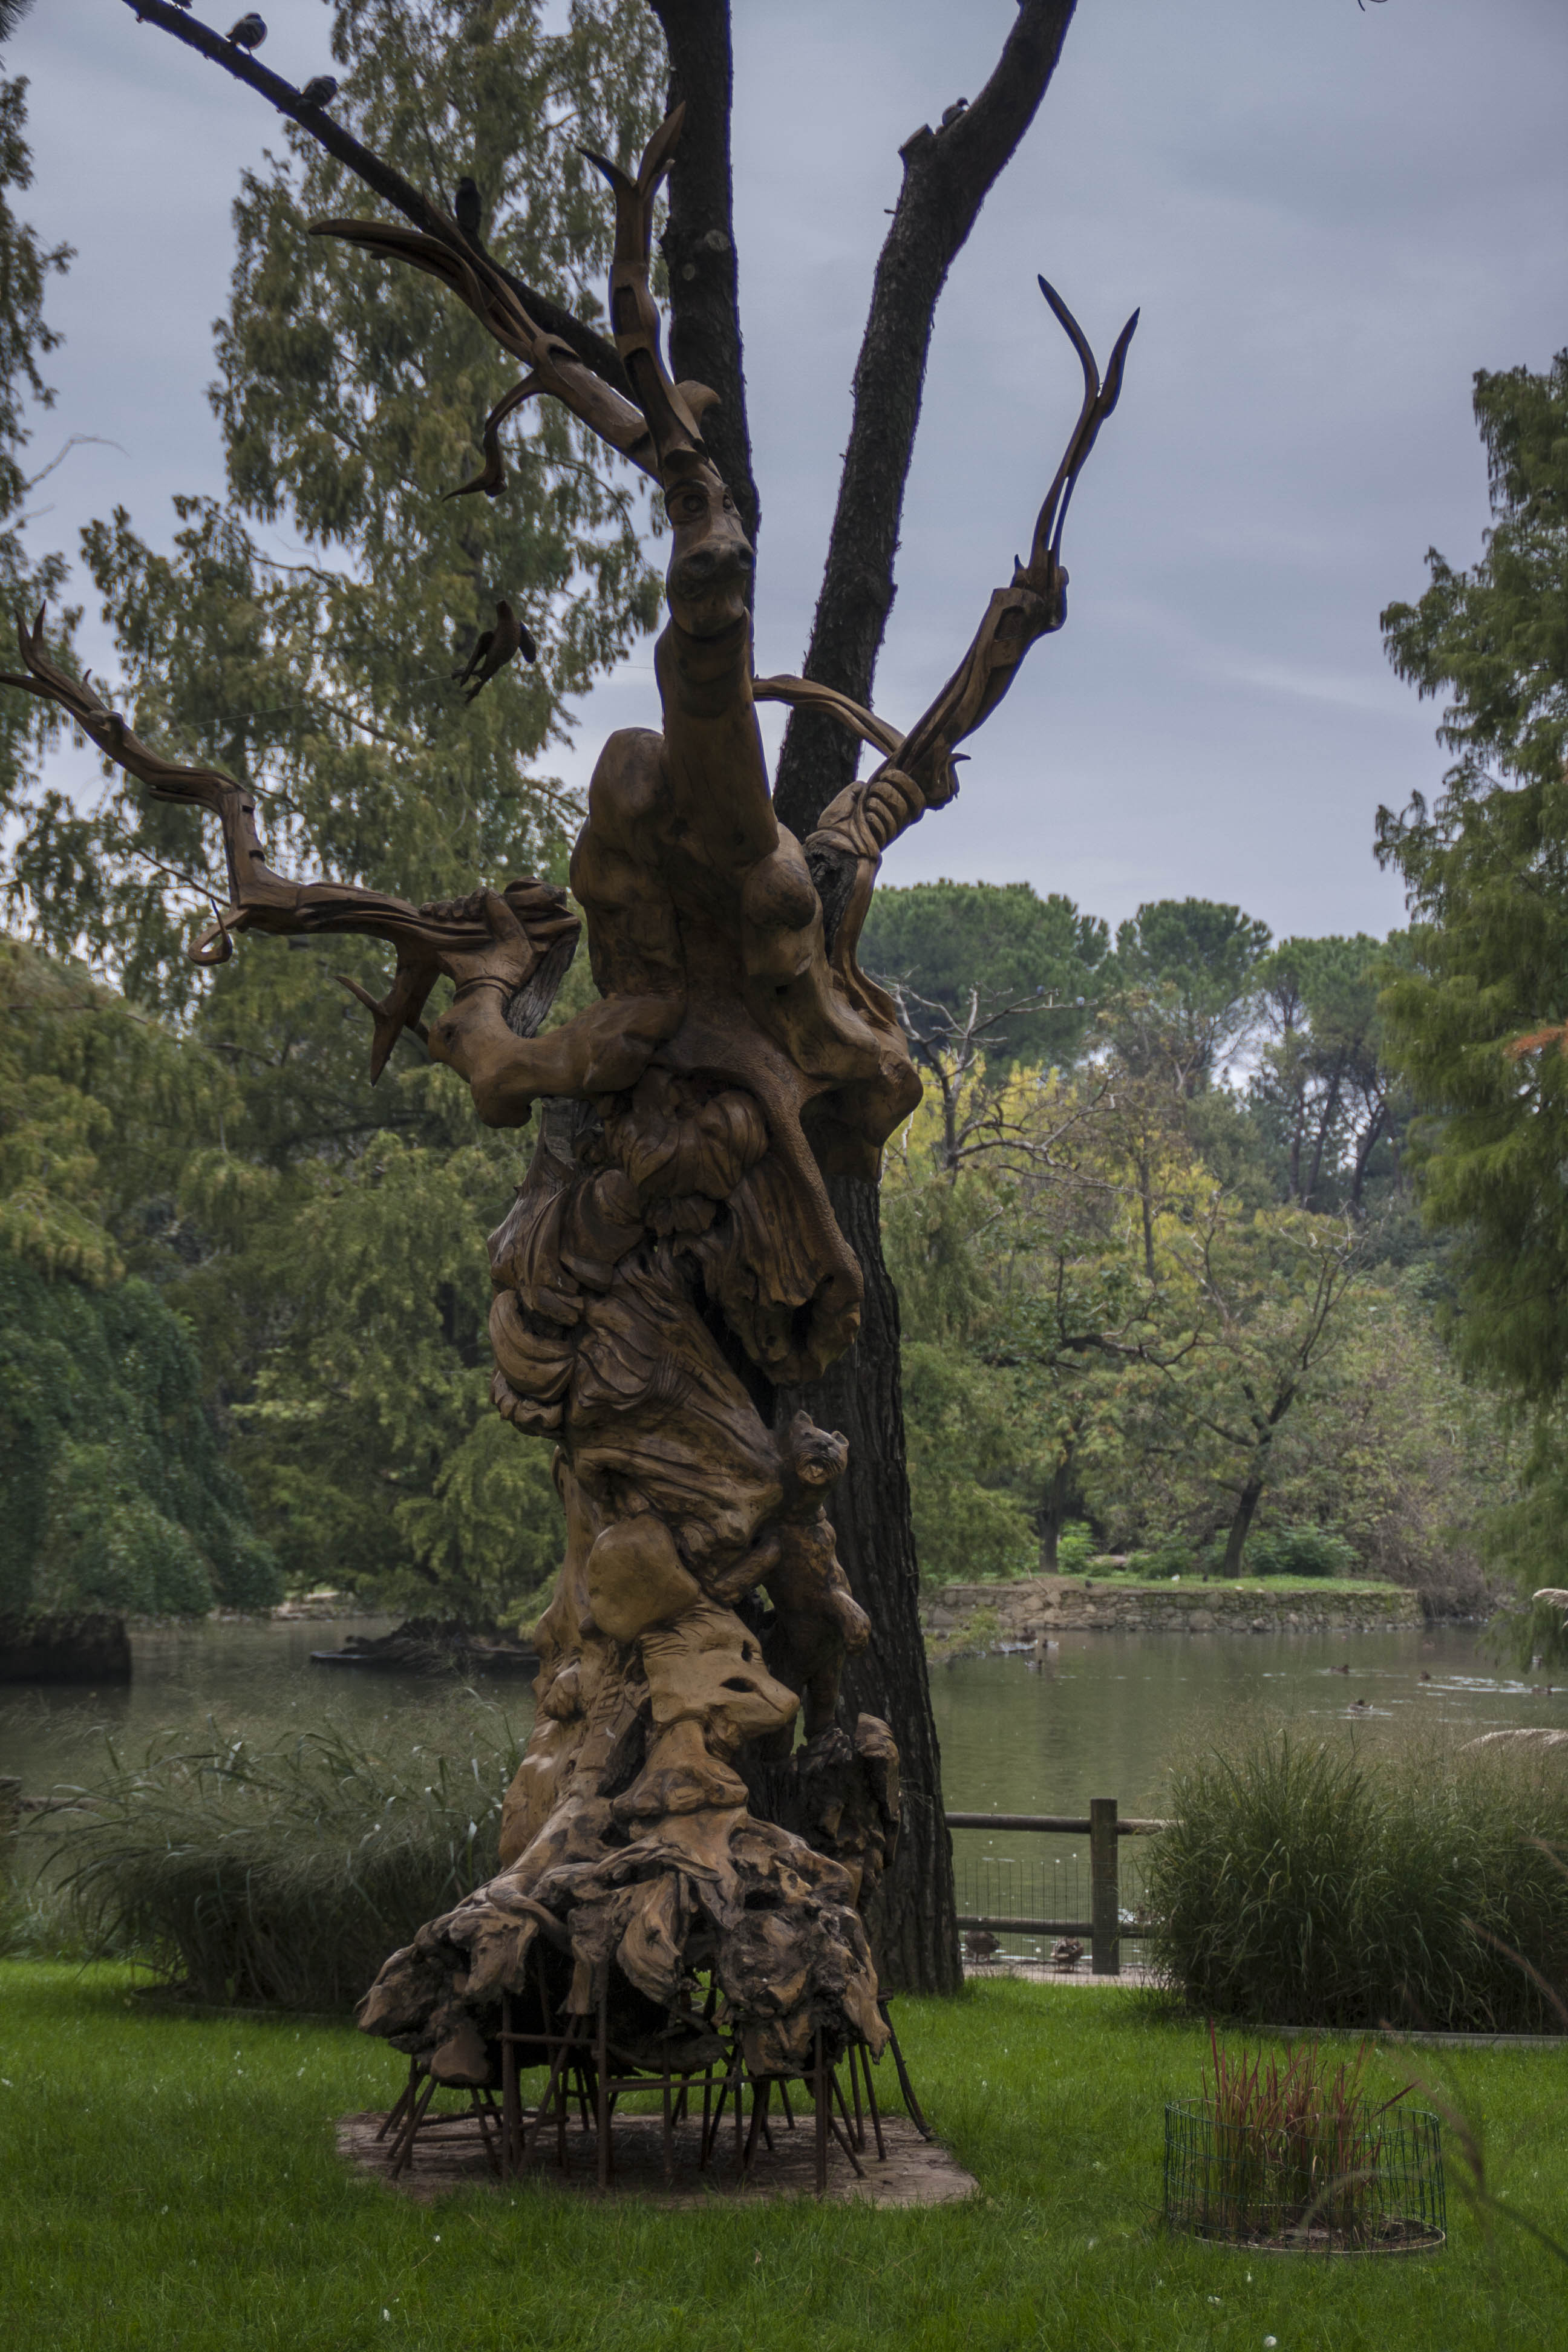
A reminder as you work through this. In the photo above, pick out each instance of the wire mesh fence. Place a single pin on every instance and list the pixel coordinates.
(1356, 2182)
(1047, 1887)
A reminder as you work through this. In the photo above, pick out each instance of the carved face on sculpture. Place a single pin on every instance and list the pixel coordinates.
(711, 567)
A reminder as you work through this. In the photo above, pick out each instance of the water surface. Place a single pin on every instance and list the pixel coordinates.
(1104, 1718)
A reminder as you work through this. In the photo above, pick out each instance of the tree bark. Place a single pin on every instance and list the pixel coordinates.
(1053, 1513)
(911, 1920)
(699, 241)
(948, 174)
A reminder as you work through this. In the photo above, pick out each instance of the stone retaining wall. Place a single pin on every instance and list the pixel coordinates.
(1033, 1606)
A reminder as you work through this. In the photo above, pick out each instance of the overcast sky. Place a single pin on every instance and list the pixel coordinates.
(1331, 217)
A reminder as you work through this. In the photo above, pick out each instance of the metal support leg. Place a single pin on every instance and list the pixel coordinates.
(510, 2095)
(905, 2085)
(871, 2102)
(600, 2087)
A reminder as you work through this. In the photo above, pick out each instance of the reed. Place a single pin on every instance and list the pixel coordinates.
(1293, 2148)
(1310, 1883)
(279, 1874)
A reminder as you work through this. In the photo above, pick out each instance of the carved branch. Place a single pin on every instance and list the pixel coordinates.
(553, 367)
(672, 410)
(263, 901)
(948, 174)
(809, 694)
(918, 773)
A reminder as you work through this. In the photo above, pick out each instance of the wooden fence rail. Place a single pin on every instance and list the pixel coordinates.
(1102, 1828)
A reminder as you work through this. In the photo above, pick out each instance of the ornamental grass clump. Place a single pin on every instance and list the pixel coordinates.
(1309, 1882)
(1296, 2153)
(281, 1874)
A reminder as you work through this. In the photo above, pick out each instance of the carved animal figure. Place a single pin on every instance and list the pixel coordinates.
(494, 649)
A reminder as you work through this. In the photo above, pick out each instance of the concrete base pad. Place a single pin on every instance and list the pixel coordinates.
(915, 2172)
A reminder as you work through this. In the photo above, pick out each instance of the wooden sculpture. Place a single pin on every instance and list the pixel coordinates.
(671, 1242)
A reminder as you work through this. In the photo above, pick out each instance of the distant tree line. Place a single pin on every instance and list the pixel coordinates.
(1164, 1283)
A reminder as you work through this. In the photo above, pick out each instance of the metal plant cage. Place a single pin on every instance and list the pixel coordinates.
(1357, 2181)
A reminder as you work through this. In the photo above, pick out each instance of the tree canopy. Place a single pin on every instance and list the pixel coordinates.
(305, 632)
(1476, 1019)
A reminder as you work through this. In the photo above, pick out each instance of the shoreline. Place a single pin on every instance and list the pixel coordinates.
(1030, 1611)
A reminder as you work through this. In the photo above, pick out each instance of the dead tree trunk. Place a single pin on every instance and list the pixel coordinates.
(948, 172)
(698, 240)
(947, 175)
(911, 1920)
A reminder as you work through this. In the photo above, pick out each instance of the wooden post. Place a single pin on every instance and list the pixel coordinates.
(1105, 1894)
(10, 1815)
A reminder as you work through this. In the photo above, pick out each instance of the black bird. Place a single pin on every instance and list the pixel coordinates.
(495, 649)
(248, 32)
(960, 106)
(320, 92)
(467, 207)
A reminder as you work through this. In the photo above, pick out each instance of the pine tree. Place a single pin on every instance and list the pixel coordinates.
(305, 632)
(1476, 1024)
(27, 265)
(318, 1236)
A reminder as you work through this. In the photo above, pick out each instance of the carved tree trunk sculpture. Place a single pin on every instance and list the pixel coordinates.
(672, 1261)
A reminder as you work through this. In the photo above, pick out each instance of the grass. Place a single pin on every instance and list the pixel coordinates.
(1320, 1882)
(279, 1872)
(170, 2181)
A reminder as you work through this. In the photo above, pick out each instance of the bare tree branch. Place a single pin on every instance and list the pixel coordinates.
(698, 240)
(948, 174)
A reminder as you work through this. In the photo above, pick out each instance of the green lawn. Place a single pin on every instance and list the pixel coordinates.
(170, 2182)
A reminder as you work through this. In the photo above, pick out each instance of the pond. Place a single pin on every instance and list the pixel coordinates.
(1105, 1716)
(1109, 1714)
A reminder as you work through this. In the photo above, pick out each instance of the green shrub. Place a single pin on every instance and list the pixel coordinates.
(1304, 1550)
(1305, 1883)
(1076, 1546)
(281, 1875)
(1167, 1558)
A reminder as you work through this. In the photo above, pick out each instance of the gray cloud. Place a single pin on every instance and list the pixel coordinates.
(1331, 218)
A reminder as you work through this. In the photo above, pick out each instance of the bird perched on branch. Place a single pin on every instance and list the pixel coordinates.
(319, 92)
(467, 207)
(951, 114)
(248, 32)
(495, 649)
